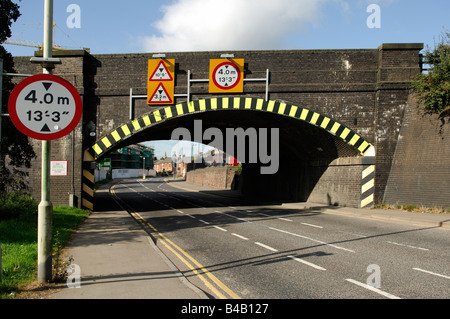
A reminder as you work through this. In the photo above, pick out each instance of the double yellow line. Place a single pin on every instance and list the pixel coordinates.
(211, 281)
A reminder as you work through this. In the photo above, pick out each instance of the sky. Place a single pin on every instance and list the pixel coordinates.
(158, 26)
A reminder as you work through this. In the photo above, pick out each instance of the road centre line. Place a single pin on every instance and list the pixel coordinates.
(409, 246)
(266, 247)
(306, 262)
(316, 226)
(238, 218)
(314, 240)
(220, 228)
(432, 273)
(239, 236)
(378, 291)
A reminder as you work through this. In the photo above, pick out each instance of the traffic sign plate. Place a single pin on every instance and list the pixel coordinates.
(161, 73)
(161, 81)
(226, 75)
(160, 96)
(45, 107)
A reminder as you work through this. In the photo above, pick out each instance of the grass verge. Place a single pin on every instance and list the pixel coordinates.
(414, 208)
(18, 240)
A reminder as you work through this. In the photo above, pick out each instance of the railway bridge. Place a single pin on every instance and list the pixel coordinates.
(338, 114)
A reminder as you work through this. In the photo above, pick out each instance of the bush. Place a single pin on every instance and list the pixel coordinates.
(15, 205)
(433, 89)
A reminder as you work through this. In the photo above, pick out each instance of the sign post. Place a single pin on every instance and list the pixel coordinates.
(45, 107)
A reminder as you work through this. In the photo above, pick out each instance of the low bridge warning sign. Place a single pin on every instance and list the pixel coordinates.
(161, 81)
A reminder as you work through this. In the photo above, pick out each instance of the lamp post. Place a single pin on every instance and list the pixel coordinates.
(143, 168)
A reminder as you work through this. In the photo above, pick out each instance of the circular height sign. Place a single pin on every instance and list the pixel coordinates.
(226, 76)
(45, 107)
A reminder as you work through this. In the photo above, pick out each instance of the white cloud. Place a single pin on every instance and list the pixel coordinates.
(201, 25)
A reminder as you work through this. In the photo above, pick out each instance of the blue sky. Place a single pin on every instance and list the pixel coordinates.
(192, 25)
(137, 26)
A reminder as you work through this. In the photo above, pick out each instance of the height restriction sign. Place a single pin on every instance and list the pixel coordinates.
(226, 75)
(45, 107)
(161, 81)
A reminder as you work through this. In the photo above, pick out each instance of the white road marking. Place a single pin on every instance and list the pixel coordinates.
(266, 247)
(239, 236)
(281, 218)
(314, 240)
(220, 228)
(398, 244)
(306, 224)
(306, 263)
(432, 273)
(238, 218)
(378, 291)
(204, 222)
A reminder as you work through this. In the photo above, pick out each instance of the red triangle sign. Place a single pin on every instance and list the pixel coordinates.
(161, 73)
(160, 96)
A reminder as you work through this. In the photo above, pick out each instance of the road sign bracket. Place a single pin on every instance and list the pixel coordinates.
(47, 63)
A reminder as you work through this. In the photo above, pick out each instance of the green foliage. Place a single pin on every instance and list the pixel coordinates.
(9, 12)
(18, 239)
(14, 144)
(433, 89)
(13, 205)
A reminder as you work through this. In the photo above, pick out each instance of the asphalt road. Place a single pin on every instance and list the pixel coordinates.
(231, 248)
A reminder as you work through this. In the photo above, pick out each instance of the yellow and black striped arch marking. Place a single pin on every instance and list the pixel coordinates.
(225, 103)
(229, 103)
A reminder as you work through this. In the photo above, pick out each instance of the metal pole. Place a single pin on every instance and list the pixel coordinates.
(1, 155)
(45, 208)
(1, 111)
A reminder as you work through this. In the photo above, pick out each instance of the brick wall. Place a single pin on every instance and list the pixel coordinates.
(216, 177)
(420, 172)
(337, 183)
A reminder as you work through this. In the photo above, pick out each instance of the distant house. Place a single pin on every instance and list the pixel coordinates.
(164, 165)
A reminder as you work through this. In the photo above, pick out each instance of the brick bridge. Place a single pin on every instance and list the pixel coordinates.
(339, 113)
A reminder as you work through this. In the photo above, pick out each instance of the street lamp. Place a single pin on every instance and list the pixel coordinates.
(143, 168)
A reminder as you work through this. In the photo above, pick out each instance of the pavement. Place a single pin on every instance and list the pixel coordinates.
(118, 259)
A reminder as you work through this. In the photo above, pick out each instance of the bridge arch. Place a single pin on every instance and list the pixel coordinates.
(125, 133)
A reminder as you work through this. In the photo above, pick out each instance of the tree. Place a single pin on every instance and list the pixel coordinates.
(14, 144)
(433, 88)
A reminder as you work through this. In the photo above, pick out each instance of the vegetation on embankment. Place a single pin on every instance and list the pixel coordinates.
(18, 240)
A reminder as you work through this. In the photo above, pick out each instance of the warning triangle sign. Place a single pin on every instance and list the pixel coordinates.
(161, 73)
(160, 96)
